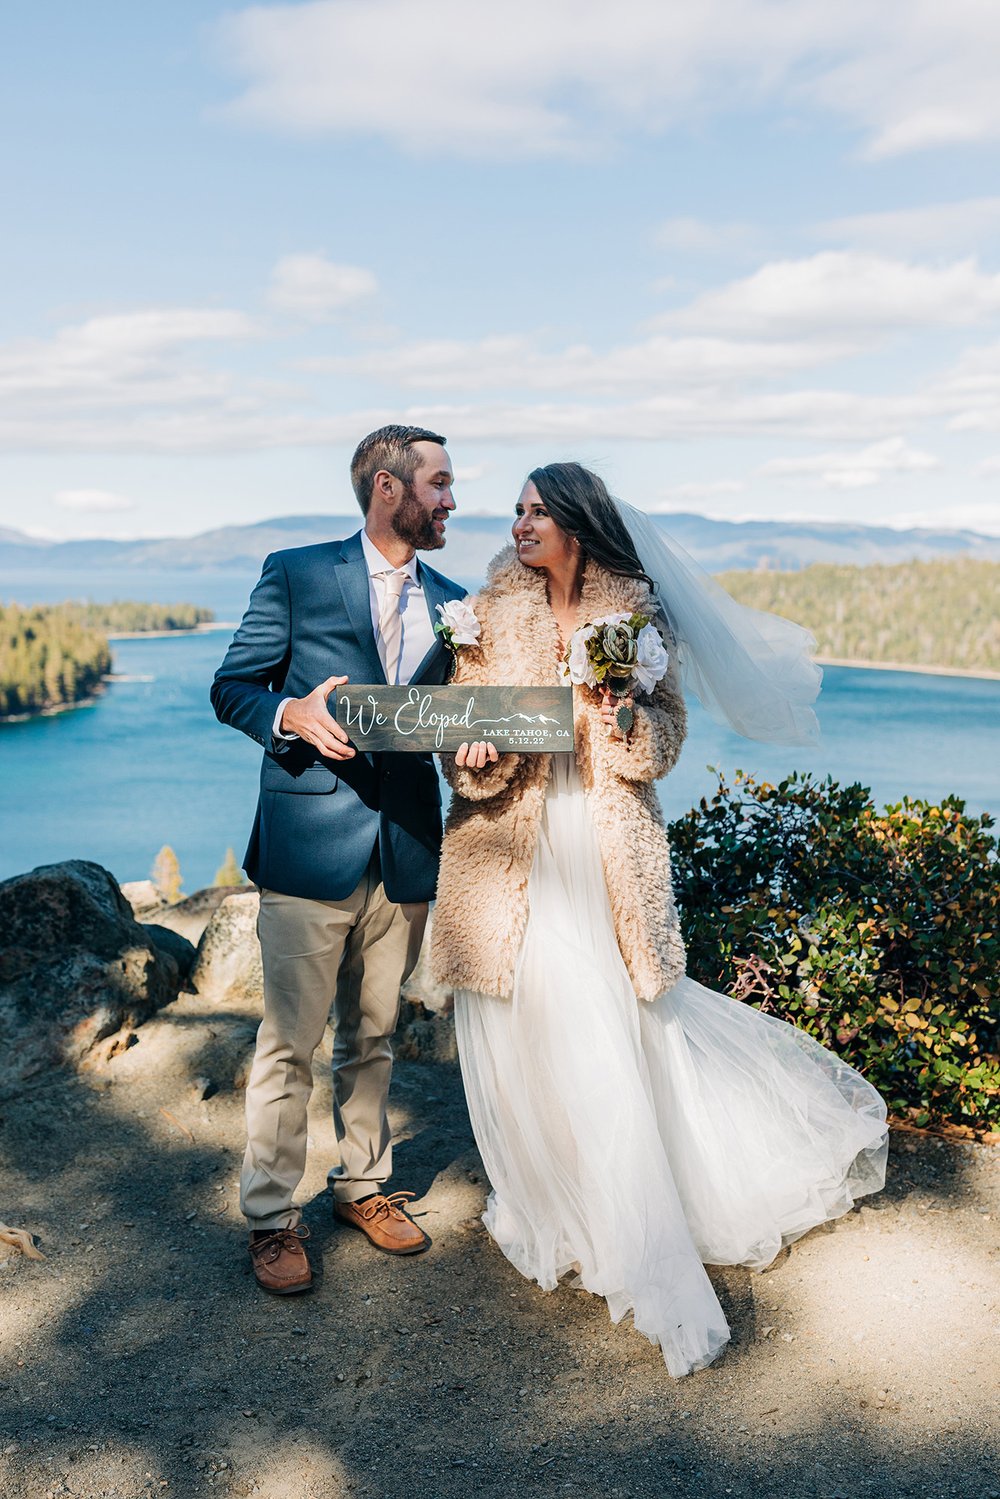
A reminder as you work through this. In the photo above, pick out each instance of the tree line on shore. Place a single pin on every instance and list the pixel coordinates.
(48, 657)
(53, 655)
(130, 616)
(944, 614)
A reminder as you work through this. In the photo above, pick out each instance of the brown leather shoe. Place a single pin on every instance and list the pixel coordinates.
(279, 1261)
(384, 1222)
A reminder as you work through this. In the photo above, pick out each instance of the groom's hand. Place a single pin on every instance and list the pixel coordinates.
(476, 756)
(310, 718)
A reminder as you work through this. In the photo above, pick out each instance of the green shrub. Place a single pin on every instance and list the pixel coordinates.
(876, 932)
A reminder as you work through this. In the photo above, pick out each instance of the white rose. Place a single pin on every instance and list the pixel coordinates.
(580, 670)
(652, 660)
(621, 618)
(460, 618)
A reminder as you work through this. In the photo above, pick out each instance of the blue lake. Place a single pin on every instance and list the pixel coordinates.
(148, 764)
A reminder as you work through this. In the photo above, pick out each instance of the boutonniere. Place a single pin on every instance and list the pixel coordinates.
(458, 626)
(619, 652)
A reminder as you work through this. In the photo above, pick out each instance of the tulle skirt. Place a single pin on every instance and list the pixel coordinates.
(630, 1143)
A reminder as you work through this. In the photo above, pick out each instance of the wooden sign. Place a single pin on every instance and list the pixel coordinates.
(528, 720)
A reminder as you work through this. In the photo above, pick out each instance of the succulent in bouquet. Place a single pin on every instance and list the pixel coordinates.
(619, 653)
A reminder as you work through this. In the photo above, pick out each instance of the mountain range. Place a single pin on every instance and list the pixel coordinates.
(718, 545)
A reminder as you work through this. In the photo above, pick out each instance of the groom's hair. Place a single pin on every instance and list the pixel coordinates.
(390, 448)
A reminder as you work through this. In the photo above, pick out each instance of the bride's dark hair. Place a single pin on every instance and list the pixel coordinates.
(579, 503)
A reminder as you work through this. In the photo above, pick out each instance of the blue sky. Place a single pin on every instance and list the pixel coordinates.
(743, 257)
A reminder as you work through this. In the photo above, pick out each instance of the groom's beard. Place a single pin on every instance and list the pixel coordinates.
(414, 524)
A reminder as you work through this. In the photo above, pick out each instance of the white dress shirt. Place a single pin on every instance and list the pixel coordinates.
(418, 630)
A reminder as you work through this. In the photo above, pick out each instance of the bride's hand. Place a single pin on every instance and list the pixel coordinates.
(609, 707)
(476, 756)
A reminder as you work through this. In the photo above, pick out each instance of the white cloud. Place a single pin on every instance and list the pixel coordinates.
(92, 501)
(470, 473)
(846, 293)
(153, 330)
(527, 79)
(957, 228)
(449, 75)
(690, 236)
(987, 468)
(517, 362)
(313, 287)
(984, 518)
(854, 470)
(246, 425)
(709, 490)
(829, 415)
(971, 390)
(120, 358)
(923, 75)
(137, 382)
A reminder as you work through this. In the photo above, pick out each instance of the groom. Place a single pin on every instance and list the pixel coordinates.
(345, 844)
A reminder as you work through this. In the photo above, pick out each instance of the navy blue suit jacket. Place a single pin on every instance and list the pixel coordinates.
(318, 820)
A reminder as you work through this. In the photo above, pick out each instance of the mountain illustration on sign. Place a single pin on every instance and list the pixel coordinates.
(524, 717)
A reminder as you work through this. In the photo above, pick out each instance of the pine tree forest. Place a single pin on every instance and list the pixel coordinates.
(944, 614)
(48, 658)
(131, 617)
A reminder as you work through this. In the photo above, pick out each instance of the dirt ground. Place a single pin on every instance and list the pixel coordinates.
(139, 1358)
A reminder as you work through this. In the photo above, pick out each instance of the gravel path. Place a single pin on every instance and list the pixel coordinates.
(139, 1357)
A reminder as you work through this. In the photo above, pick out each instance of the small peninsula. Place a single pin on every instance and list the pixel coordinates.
(132, 617)
(56, 656)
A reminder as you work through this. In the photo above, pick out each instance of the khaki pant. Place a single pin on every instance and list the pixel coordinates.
(354, 955)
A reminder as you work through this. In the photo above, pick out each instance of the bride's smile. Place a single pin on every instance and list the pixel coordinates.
(539, 540)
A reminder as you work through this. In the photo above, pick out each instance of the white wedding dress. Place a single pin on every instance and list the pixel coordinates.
(632, 1143)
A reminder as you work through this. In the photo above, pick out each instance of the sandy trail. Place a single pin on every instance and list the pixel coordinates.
(140, 1358)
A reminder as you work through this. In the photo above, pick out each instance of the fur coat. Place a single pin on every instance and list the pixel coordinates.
(495, 813)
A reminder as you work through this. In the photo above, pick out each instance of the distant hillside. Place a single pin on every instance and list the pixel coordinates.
(472, 539)
(944, 614)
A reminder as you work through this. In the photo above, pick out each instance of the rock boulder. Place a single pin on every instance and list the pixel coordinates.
(227, 967)
(165, 939)
(190, 917)
(75, 967)
(144, 898)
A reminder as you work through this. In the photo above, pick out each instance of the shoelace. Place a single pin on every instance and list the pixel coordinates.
(268, 1249)
(391, 1206)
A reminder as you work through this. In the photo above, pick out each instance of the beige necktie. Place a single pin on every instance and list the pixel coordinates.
(390, 623)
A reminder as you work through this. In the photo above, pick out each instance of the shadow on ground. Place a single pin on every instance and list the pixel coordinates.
(140, 1358)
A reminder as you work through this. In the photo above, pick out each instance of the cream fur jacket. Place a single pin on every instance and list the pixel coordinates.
(495, 813)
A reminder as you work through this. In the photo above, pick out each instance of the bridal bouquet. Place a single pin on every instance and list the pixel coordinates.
(619, 652)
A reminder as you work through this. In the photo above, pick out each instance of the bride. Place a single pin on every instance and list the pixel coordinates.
(634, 1125)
